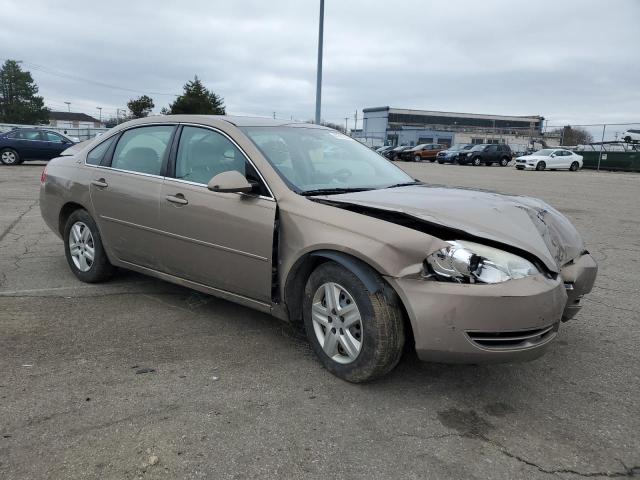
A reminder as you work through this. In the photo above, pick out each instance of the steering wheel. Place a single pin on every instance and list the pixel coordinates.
(342, 175)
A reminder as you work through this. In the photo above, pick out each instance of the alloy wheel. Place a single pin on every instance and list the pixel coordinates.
(337, 323)
(9, 157)
(81, 246)
(417, 158)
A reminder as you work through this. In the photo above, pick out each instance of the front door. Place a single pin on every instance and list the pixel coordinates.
(222, 240)
(55, 144)
(125, 194)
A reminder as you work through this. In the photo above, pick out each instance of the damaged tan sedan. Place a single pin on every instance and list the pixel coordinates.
(305, 223)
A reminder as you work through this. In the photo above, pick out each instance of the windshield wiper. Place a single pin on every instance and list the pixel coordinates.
(405, 184)
(332, 191)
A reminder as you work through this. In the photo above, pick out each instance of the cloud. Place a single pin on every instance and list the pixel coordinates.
(571, 61)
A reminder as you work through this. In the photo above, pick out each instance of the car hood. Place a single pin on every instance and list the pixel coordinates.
(522, 222)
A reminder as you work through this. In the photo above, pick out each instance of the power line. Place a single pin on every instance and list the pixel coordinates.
(58, 73)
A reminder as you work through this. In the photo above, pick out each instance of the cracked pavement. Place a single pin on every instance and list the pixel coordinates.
(96, 379)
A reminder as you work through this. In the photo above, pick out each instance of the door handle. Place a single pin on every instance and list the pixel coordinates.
(100, 183)
(177, 198)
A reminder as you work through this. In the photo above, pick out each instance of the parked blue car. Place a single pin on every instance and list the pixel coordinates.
(22, 144)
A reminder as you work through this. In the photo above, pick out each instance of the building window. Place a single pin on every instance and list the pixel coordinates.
(477, 141)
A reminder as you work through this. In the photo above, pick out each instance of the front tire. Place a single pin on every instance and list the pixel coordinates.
(417, 158)
(574, 166)
(504, 161)
(84, 250)
(357, 335)
(8, 156)
(477, 162)
(541, 166)
(627, 139)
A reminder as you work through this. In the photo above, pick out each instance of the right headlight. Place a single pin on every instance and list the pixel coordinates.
(469, 262)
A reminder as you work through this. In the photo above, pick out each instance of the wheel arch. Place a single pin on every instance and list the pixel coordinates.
(296, 280)
(66, 211)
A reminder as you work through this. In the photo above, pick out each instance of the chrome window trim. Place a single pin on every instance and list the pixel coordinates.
(197, 184)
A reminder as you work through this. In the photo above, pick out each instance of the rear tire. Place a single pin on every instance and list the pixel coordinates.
(379, 339)
(574, 166)
(627, 139)
(8, 156)
(84, 250)
(541, 166)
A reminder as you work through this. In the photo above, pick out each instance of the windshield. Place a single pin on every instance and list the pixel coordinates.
(544, 152)
(460, 146)
(316, 159)
(478, 148)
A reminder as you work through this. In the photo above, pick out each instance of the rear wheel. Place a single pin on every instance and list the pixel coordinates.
(541, 166)
(84, 250)
(574, 166)
(440, 162)
(627, 139)
(358, 335)
(477, 161)
(8, 156)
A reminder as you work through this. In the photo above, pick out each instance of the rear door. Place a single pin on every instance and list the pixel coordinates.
(222, 240)
(125, 192)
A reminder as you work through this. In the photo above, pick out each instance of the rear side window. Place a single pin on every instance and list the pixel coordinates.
(28, 135)
(96, 155)
(142, 149)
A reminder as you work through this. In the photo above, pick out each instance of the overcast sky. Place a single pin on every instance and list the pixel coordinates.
(570, 61)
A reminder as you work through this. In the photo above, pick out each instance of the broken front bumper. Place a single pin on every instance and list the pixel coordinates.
(503, 322)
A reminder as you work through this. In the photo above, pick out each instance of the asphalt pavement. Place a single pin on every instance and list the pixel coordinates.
(138, 378)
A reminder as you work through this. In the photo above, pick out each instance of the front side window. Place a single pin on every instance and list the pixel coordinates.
(142, 149)
(203, 154)
(310, 159)
(52, 137)
(96, 155)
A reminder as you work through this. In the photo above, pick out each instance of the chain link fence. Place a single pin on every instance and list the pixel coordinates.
(75, 133)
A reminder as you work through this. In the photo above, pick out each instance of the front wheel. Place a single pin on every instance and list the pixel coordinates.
(504, 162)
(574, 166)
(417, 158)
(541, 166)
(627, 139)
(477, 162)
(84, 250)
(358, 335)
(9, 156)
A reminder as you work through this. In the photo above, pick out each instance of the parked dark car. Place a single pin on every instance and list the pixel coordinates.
(424, 151)
(22, 144)
(487, 154)
(395, 153)
(452, 154)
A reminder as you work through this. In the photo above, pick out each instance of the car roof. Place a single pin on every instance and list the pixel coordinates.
(236, 120)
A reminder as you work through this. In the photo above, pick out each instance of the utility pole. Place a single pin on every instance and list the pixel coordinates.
(274, 115)
(117, 116)
(346, 125)
(100, 109)
(319, 70)
(68, 106)
(355, 117)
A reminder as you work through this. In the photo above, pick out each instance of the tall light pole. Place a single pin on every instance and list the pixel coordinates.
(319, 71)
(100, 109)
(68, 106)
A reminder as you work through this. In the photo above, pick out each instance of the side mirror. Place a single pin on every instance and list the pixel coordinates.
(230, 182)
(552, 155)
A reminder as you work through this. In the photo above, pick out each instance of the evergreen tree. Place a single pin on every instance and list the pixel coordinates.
(140, 107)
(196, 99)
(19, 102)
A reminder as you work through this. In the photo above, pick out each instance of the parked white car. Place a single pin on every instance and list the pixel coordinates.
(550, 158)
(631, 136)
